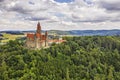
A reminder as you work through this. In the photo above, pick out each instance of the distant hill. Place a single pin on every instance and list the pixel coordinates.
(95, 32)
(87, 32)
(13, 32)
(73, 32)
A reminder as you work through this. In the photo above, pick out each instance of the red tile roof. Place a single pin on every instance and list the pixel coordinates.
(38, 35)
(31, 36)
(43, 37)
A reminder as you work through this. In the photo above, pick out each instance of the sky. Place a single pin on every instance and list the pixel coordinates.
(60, 14)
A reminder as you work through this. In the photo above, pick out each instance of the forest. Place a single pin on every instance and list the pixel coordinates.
(79, 58)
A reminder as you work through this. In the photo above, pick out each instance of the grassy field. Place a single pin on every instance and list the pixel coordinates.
(8, 37)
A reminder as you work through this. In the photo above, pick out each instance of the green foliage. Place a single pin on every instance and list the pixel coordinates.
(80, 58)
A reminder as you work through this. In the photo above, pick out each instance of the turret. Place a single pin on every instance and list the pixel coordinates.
(46, 38)
(46, 34)
(38, 28)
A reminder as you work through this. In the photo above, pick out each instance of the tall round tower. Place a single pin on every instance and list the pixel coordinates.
(46, 38)
(38, 28)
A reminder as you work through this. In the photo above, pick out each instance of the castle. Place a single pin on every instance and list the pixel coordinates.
(38, 40)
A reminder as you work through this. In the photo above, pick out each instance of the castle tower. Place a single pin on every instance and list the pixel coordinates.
(46, 33)
(37, 40)
(38, 28)
(46, 38)
(38, 36)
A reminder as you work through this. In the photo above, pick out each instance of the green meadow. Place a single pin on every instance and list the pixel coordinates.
(7, 37)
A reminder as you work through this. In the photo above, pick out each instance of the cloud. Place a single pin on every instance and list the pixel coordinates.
(74, 14)
(64, 1)
(110, 5)
(1, 0)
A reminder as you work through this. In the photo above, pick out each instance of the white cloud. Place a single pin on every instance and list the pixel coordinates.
(80, 14)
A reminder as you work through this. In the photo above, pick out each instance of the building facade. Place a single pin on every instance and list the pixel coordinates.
(38, 40)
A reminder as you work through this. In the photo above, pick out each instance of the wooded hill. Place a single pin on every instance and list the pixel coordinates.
(80, 58)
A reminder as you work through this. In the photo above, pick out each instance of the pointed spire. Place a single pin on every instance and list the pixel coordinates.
(46, 33)
(38, 28)
(46, 37)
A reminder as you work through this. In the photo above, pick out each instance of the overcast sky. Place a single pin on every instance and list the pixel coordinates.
(59, 14)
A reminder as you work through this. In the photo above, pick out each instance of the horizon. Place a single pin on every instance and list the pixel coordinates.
(65, 30)
(64, 15)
